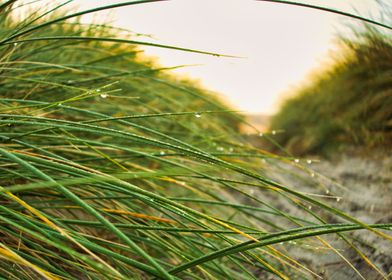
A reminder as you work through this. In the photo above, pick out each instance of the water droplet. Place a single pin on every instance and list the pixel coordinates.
(162, 153)
(98, 90)
(261, 134)
(221, 149)
(327, 191)
(310, 207)
(309, 161)
(231, 149)
(338, 199)
(273, 132)
(181, 213)
(197, 115)
(296, 160)
(183, 183)
(103, 95)
(69, 82)
(15, 44)
(312, 174)
(252, 192)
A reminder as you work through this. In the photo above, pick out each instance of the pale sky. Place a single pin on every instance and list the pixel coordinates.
(279, 44)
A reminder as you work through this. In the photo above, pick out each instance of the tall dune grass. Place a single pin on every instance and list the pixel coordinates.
(350, 102)
(111, 169)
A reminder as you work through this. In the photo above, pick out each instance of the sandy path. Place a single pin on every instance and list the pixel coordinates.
(361, 185)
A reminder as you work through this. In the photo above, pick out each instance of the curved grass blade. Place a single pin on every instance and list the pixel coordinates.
(113, 40)
(329, 10)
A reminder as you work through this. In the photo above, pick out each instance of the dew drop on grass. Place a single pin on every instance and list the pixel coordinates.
(312, 174)
(310, 207)
(338, 199)
(296, 160)
(181, 213)
(231, 149)
(309, 161)
(98, 90)
(261, 134)
(162, 153)
(15, 44)
(197, 115)
(103, 95)
(220, 149)
(273, 132)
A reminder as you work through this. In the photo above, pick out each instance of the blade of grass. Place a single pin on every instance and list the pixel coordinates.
(329, 10)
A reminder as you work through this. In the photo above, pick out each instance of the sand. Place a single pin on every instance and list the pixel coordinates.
(357, 183)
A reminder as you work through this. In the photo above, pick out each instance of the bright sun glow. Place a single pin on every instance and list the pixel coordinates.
(279, 44)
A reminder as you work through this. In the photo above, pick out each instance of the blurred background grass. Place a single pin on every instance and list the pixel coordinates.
(347, 103)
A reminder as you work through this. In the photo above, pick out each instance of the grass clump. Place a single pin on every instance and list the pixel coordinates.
(349, 102)
(111, 169)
